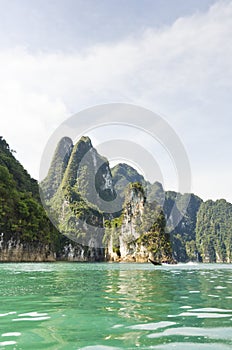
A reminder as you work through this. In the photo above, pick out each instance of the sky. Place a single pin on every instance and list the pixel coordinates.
(170, 56)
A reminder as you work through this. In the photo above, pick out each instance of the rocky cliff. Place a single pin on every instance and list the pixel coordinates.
(199, 231)
(82, 199)
(16, 249)
(139, 233)
(88, 203)
(57, 168)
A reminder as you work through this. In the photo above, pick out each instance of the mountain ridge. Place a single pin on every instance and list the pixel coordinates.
(203, 233)
(181, 212)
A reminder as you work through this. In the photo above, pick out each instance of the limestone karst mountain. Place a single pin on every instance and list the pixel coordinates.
(139, 233)
(87, 198)
(204, 229)
(87, 201)
(83, 194)
(58, 166)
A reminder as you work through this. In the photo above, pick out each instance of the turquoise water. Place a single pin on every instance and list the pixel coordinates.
(115, 306)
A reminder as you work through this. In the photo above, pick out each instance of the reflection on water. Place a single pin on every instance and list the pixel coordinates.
(115, 306)
(136, 295)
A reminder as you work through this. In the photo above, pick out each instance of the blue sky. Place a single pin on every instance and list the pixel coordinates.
(170, 56)
(76, 24)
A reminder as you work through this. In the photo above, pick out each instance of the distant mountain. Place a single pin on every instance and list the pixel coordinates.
(214, 231)
(123, 174)
(183, 235)
(203, 231)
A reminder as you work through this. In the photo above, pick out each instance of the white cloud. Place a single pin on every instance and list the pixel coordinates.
(183, 72)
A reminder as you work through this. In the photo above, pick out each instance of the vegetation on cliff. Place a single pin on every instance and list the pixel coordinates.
(22, 216)
(214, 231)
(85, 201)
(203, 229)
(182, 209)
(153, 233)
(139, 233)
(85, 183)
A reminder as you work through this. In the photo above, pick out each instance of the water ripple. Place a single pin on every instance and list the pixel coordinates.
(8, 313)
(191, 346)
(152, 326)
(32, 319)
(204, 315)
(99, 347)
(10, 342)
(11, 334)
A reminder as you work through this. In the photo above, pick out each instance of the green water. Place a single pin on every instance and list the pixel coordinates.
(115, 306)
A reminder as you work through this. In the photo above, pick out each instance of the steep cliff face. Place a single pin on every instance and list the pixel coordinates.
(72, 251)
(15, 249)
(57, 169)
(80, 202)
(89, 174)
(139, 234)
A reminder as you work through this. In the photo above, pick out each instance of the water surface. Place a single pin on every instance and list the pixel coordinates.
(115, 306)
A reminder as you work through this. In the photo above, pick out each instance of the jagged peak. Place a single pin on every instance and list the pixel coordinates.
(57, 168)
(158, 185)
(63, 149)
(83, 145)
(86, 140)
(124, 169)
(65, 140)
(124, 166)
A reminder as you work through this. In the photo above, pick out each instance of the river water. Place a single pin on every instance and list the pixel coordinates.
(115, 306)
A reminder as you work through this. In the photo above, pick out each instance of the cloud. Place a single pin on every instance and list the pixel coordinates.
(182, 71)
